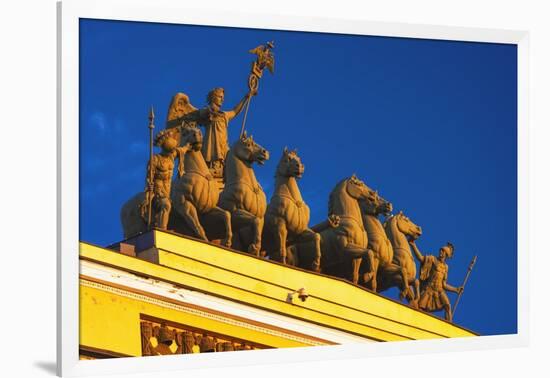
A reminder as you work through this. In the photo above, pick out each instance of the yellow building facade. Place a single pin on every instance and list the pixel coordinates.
(161, 293)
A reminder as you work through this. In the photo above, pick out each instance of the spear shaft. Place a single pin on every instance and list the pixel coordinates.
(470, 268)
(151, 194)
(245, 114)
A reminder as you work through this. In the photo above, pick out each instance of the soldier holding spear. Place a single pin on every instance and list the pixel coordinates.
(156, 207)
(146, 208)
(433, 280)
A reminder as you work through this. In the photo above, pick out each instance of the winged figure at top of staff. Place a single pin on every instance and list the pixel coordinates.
(265, 56)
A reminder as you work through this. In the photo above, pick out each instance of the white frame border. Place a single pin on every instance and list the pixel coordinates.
(170, 11)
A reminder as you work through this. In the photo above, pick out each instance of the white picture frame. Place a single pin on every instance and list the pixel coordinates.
(69, 13)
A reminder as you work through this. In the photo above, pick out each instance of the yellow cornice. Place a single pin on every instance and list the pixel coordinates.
(246, 279)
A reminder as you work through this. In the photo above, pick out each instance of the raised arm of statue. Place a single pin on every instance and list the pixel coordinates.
(239, 107)
(416, 251)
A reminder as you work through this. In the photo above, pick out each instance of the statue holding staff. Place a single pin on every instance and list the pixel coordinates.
(215, 122)
(433, 280)
(152, 207)
(157, 204)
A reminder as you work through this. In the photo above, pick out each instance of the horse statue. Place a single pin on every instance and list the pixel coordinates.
(287, 237)
(343, 237)
(398, 227)
(381, 267)
(131, 216)
(195, 197)
(243, 196)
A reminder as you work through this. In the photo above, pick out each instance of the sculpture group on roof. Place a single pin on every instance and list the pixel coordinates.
(217, 198)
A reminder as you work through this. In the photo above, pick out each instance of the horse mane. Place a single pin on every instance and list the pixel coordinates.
(388, 226)
(279, 166)
(228, 158)
(333, 195)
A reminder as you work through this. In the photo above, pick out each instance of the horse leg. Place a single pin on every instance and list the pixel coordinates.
(225, 216)
(374, 280)
(370, 276)
(417, 287)
(351, 252)
(256, 245)
(403, 283)
(241, 216)
(413, 302)
(280, 235)
(306, 240)
(398, 276)
(356, 264)
(189, 214)
(408, 279)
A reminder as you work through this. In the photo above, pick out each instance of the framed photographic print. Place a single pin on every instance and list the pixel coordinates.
(287, 188)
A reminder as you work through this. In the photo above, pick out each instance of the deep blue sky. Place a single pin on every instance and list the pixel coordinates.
(431, 124)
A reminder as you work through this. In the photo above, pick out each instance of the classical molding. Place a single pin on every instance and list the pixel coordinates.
(201, 312)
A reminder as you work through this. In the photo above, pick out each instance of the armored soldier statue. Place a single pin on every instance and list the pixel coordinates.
(159, 177)
(433, 280)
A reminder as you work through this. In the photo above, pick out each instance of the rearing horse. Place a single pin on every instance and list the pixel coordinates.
(343, 237)
(195, 197)
(287, 237)
(243, 195)
(397, 228)
(380, 266)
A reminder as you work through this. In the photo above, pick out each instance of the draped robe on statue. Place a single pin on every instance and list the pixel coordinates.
(215, 145)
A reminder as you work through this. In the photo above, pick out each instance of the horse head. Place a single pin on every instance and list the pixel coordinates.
(248, 151)
(406, 226)
(290, 164)
(191, 134)
(358, 190)
(377, 206)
